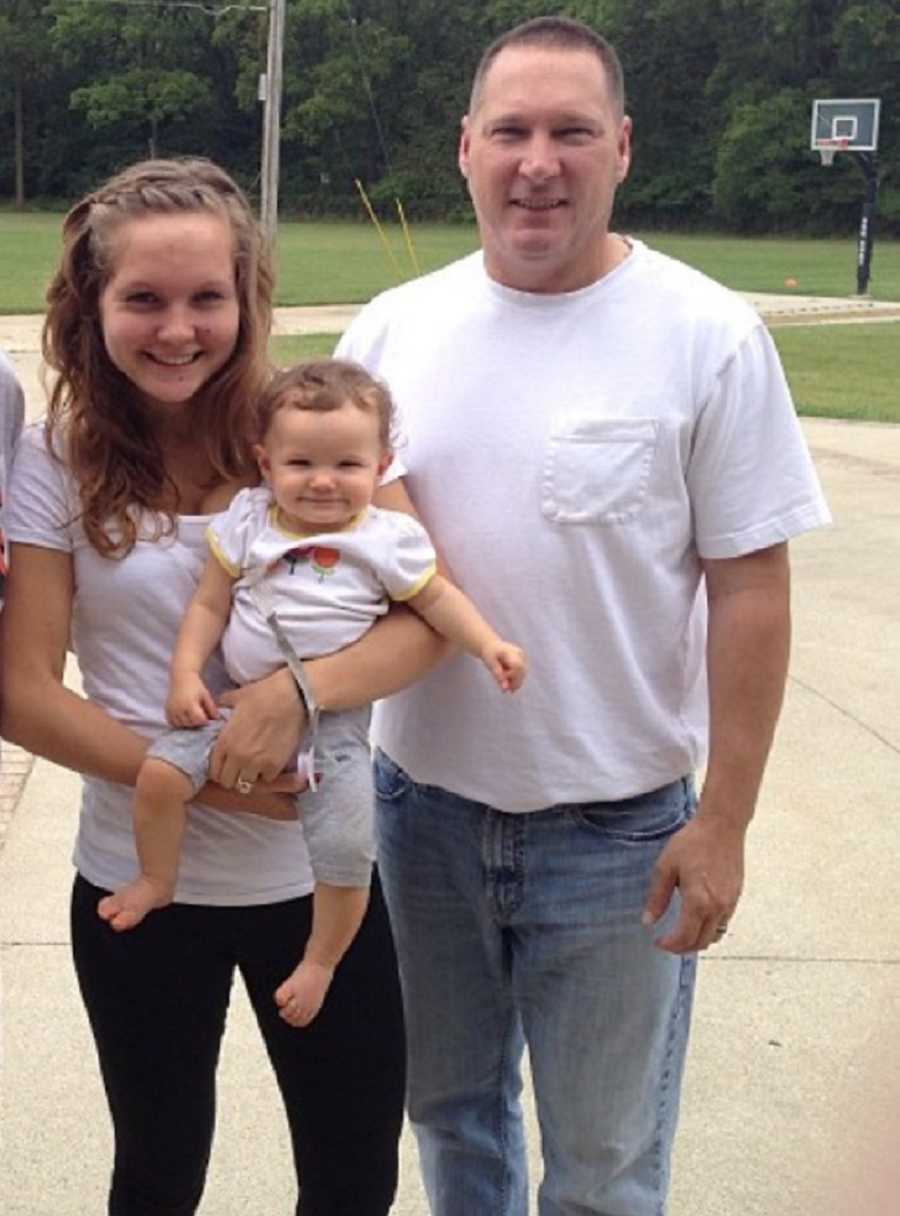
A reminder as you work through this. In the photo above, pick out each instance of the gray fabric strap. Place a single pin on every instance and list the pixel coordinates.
(263, 600)
(295, 664)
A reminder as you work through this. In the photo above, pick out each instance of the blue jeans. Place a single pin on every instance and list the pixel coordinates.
(515, 929)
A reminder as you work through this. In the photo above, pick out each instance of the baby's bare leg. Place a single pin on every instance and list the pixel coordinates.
(337, 915)
(160, 796)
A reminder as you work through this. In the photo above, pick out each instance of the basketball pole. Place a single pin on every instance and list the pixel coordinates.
(866, 239)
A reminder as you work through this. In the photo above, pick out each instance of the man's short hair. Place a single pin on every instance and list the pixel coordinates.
(559, 33)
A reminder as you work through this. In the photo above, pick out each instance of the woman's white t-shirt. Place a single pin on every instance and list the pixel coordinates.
(126, 614)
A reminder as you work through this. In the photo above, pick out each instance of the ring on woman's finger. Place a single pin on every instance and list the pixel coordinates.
(243, 786)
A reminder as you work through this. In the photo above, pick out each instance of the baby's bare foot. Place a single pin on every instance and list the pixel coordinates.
(300, 997)
(129, 905)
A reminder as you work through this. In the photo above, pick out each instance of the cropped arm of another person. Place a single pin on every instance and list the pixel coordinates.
(12, 413)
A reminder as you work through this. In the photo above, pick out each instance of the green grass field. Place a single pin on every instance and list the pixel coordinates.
(318, 263)
(821, 267)
(341, 263)
(845, 371)
(291, 349)
(835, 371)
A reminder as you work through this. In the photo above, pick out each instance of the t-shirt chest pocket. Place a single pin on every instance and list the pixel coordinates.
(598, 470)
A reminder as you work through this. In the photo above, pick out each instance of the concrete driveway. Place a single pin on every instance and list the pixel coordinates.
(790, 1070)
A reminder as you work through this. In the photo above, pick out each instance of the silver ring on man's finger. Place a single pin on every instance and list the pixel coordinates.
(721, 930)
(243, 786)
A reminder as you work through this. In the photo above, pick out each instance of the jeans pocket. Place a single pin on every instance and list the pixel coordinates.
(652, 816)
(391, 781)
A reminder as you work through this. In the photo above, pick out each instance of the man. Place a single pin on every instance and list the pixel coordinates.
(602, 442)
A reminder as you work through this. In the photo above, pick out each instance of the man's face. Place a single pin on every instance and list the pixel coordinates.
(543, 154)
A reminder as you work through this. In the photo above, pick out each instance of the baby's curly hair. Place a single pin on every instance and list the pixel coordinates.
(327, 384)
(104, 434)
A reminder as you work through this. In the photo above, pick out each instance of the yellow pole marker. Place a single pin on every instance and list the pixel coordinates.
(378, 228)
(408, 235)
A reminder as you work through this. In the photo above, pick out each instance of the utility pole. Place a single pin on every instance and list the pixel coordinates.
(270, 95)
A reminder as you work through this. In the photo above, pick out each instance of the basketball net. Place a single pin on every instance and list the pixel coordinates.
(828, 147)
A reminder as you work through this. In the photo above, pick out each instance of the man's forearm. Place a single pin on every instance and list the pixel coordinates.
(398, 650)
(747, 660)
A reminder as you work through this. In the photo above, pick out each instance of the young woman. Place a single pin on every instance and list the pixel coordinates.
(156, 330)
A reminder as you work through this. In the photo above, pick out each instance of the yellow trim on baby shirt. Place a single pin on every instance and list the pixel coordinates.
(418, 586)
(276, 524)
(216, 550)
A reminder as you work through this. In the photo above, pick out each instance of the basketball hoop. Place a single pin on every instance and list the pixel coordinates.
(828, 147)
(850, 124)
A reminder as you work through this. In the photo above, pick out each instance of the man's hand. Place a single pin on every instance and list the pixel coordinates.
(705, 862)
(269, 800)
(746, 658)
(263, 733)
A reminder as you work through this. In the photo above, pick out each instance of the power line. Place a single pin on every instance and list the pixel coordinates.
(212, 11)
(368, 86)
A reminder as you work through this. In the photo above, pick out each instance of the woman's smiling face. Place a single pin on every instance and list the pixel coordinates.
(169, 311)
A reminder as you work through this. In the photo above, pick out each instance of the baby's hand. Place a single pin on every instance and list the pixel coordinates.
(506, 663)
(189, 702)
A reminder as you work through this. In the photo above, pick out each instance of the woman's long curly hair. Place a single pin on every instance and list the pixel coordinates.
(96, 420)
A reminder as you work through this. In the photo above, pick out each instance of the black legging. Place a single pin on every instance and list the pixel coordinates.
(156, 998)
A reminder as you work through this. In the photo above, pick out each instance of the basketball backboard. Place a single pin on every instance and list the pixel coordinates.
(844, 125)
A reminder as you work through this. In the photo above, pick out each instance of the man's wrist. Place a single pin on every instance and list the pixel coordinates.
(289, 684)
(299, 673)
(729, 811)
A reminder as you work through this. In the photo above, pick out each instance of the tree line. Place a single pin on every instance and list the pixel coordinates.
(720, 92)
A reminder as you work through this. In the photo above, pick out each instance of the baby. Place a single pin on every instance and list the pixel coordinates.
(299, 567)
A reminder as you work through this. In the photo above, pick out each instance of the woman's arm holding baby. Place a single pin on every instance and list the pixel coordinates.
(41, 714)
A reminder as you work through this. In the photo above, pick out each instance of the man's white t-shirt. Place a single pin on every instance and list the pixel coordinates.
(573, 457)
